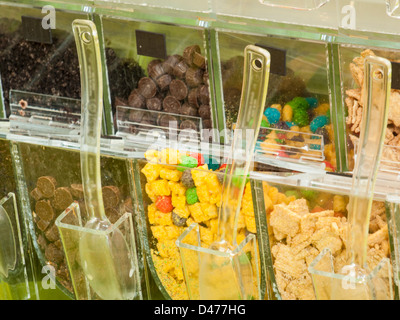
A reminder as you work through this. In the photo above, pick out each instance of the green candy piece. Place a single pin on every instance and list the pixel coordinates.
(290, 193)
(191, 196)
(300, 117)
(187, 162)
(238, 178)
(265, 124)
(308, 194)
(299, 103)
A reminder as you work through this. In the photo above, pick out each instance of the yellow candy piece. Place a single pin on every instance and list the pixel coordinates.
(162, 219)
(197, 213)
(202, 193)
(339, 204)
(150, 192)
(169, 156)
(206, 235)
(151, 171)
(170, 174)
(151, 210)
(213, 183)
(290, 199)
(209, 210)
(250, 224)
(305, 129)
(269, 206)
(287, 113)
(160, 188)
(277, 107)
(214, 225)
(168, 249)
(177, 188)
(199, 175)
(241, 223)
(322, 109)
(240, 236)
(152, 156)
(178, 201)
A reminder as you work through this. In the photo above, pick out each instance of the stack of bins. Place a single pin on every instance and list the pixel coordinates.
(44, 80)
(299, 128)
(359, 36)
(156, 87)
(35, 63)
(295, 281)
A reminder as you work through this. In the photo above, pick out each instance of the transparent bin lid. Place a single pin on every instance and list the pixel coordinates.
(361, 16)
(176, 5)
(144, 123)
(34, 114)
(304, 13)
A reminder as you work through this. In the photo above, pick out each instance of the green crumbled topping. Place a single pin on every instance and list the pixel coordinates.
(290, 193)
(300, 117)
(299, 103)
(265, 123)
(308, 194)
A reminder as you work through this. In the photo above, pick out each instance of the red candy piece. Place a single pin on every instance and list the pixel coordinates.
(329, 165)
(164, 204)
(317, 209)
(222, 166)
(199, 157)
(338, 214)
(281, 136)
(282, 153)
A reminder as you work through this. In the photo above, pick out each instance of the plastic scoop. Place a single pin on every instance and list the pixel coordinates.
(355, 281)
(104, 256)
(376, 89)
(239, 278)
(8, 250)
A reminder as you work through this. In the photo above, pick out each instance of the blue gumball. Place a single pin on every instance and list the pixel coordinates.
(273, 115)
(318, 122)
(290, 124)
(313, 102)
(212, 163)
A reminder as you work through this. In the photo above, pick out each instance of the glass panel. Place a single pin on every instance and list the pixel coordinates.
(157, 67)
(307, 13)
